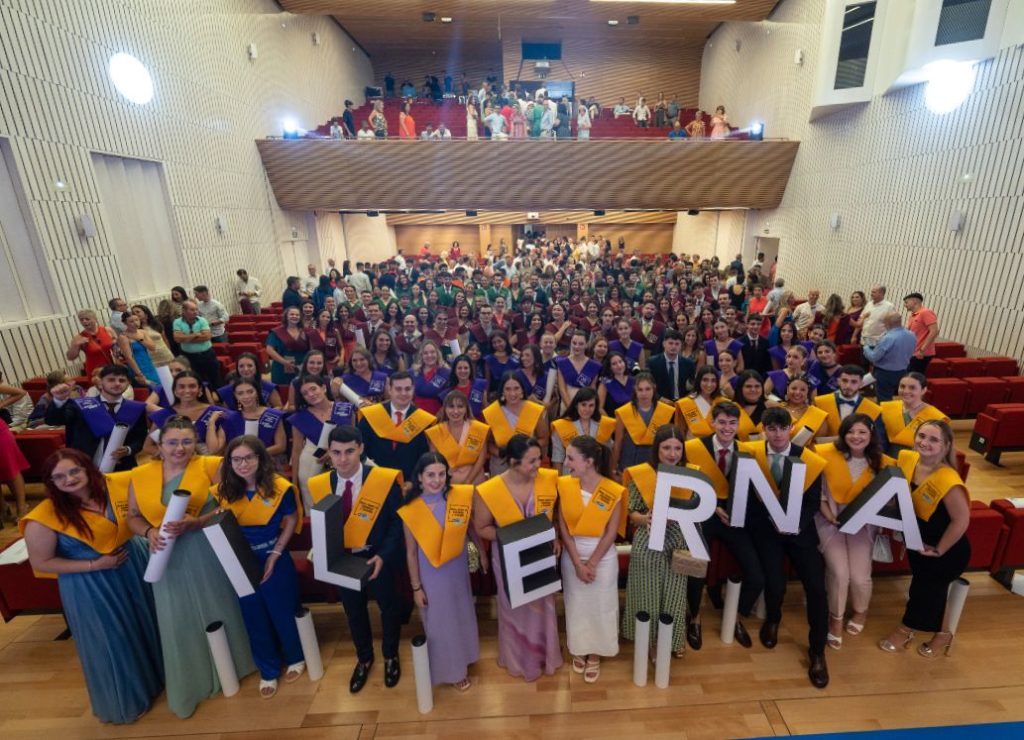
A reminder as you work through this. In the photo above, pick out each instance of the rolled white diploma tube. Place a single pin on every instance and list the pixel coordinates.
(421, 670)
(217, 636)
(175, 512)
(114, 442)
(664, 652)
(310, 645)
(729, 610)
(166, 381)
(955, 601)
(641, 648)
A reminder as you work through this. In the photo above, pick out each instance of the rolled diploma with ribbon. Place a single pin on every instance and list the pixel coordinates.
(217, 636)
(114, 442)
(955, 602)
(456, 349)
(310, 645)
(166, 381)
(641, 648)
(351, 395)
(729, 610)
(175, 512)
(663, 658)
(421, 670)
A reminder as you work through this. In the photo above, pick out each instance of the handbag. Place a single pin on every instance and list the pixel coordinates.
(881, 551)
(685, 564)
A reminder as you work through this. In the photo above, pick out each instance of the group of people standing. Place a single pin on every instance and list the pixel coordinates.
(442, 415)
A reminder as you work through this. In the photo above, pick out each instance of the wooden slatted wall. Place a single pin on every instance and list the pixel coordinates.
(57, 106)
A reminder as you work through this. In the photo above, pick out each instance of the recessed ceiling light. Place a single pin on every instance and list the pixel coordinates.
(446, 19)
(131, 78)
(613, 22)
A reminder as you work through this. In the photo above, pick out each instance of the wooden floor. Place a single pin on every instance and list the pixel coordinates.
(723, 691)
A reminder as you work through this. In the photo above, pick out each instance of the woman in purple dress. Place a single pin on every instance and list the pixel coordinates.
(528, 642)
(436, 517)
(616, 387)
(722, 341)
(632, 351)
(577, 370)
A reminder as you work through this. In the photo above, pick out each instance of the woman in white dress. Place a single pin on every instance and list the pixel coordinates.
(471, 116)
(588, 520)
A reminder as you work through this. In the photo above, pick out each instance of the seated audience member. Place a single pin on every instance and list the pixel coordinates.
(57, 377)
(15, 405)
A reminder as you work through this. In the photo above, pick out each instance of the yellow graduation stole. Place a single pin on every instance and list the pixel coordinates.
(148, 482)
(828, 404)
(927, 496)
(567, 431)
(842, 487)
(106, 535)
(815, 463)
(645, 477)
(384, 427)
(440, 545)
(698, 454)
(589, 520)
(366, 508)
(459, 454)
(813, 418)
(901, 433)
(525, 424)
(747, 425)
(503, 506)
(698, 424)
(258, 511)
(643, 434)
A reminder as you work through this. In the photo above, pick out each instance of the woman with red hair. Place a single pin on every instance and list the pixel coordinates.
(79, 533)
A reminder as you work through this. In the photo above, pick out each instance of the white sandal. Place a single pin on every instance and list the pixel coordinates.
(295, 668)
(271, 684)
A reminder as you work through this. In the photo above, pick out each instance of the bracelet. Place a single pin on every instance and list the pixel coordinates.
(275, 552)
(146, 533)
(418, 588)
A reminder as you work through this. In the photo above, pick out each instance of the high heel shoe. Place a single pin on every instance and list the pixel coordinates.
(890, 647)
(832, 640)
(926, 650)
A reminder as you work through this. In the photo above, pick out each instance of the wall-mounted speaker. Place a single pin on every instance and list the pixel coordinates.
(956, 221)
(86, 226)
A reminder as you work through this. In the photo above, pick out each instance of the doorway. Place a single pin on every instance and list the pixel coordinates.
(770, 247)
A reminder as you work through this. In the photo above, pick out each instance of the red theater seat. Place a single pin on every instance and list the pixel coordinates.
(310, 589)
(221, 349)
(37, 445)
(965, 367)
(999, 366)
(21, 591)
(938, 368)
(1014, 388)
(949, 395)
(236, 349)
(983, 533)
(246, 336)
(983, 391)
(1009, 553)
(950, 349)
(998, 429)
(35, 387)
(962, 466)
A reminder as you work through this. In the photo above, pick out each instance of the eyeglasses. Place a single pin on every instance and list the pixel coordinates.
(242, 459)
(179, 442)
(61, 477)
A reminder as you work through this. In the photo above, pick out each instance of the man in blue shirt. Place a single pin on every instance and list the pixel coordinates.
(192, 333)
(891, 355)
(677, 131)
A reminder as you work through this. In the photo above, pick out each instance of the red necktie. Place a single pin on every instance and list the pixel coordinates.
(721, 459)
(346, 501)
(398, 423)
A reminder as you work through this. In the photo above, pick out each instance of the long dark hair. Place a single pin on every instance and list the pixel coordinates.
(185, 374)
(873, 452)
(741, 401)
(706, 370)
(232, 485)
(666, 431)
(591, 449)
(300, 400)
(583, 395)
(67, 507)
(518, 446)
(426, 459)
(254, 384)
(151, 321)
(643, 376)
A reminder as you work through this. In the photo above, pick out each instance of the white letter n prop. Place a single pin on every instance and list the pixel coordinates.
(783, 509)
(687, 513)
(868, 507)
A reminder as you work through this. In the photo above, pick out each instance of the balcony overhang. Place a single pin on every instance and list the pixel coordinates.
(328, 174)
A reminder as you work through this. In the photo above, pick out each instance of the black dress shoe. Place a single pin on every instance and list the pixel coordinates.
(359, 677)
(392, 672)
(770, 634)
(818, 672)
(693, 636)
(742, 637)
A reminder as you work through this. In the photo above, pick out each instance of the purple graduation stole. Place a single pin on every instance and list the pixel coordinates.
(227, 393)
(632, 354)
(620, 394)
(580, 379)
(233, 424)
(98, 418)
(310, 426)
(533, 390)
(372, 389)
(434, 387)
(159, 418)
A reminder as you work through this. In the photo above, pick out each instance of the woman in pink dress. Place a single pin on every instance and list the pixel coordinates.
(12, 464)
(518, 123)
(719, 123)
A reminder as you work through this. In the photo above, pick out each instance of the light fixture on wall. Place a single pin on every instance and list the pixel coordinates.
(835, 221)
(220, 223)
(956, 221)
(86, 226)
(949, 84)
(798, 57)
(613, 22)
(60, 186)
(131, 78)
(316, 39)
(446, 19)
(252, 52)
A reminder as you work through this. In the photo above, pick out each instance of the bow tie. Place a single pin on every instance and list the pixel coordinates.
(844, 402)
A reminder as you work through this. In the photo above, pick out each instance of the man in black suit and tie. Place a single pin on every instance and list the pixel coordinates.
(755, 347)
(393, 431)
(672, 372)
(373, 494)
(801, 548)
(88, 422)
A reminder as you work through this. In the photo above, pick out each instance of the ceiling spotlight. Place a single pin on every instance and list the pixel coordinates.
(613, 22)
(446, 19)
(429, 17)
(693, 212)
(949, 84)
(633, 20)
(131, 78)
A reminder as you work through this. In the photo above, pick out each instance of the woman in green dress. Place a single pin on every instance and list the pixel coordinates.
(534, 114)
(194, 590)
(652, 586)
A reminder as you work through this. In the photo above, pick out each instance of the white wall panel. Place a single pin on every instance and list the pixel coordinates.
(895, 172)
(58, 106)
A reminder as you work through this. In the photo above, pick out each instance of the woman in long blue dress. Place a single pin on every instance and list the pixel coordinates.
(265, 506)
(437, 519)
(193, 592)
(77, 534)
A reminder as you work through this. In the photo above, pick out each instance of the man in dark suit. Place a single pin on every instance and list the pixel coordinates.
(89, 421)
(383, 549)
(672, 372)
(393, 431)
(755, 347)
(801, 548)
(648, 330)
(715, 455)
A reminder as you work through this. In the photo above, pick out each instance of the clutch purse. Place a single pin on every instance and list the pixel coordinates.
(685, 564)
(881, 552)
